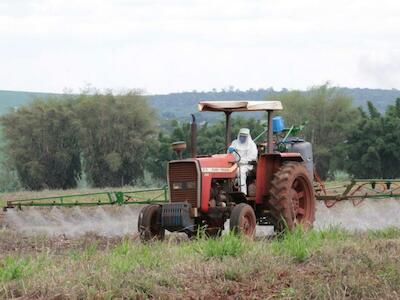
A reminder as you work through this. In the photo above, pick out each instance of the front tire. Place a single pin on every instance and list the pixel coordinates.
(149, 226)
(292, 199)
(243, 220)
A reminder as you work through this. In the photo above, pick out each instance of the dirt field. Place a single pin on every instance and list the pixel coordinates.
(94, 253)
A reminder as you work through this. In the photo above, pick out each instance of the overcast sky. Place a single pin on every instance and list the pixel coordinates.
(164, 46)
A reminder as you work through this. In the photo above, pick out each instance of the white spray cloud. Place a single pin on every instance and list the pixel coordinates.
(74, 222)
(369, 214)
(120, 221)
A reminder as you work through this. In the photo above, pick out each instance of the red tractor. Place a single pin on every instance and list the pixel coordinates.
(204, 193)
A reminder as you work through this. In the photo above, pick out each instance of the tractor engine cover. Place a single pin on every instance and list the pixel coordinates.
(176, 217)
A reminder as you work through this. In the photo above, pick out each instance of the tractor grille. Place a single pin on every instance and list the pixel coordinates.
(183, 182)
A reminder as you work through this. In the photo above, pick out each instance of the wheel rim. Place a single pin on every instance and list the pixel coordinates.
(301, 196)
(247, 224)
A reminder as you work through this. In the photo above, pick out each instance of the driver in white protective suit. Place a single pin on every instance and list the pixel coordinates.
(247, 150)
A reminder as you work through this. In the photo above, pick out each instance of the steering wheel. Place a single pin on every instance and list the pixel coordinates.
(223, 150)
(238, 155)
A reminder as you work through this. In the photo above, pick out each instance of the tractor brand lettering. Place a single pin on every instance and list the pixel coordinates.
(219, 170)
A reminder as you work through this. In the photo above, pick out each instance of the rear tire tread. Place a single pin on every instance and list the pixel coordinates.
(281, 204)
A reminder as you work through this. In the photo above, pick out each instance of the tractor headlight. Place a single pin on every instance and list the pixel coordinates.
(184, 185)
(177, 185)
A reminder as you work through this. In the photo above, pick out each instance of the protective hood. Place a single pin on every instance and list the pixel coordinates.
(244, 139)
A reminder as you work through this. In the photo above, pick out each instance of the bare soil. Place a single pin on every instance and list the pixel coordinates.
(15, 243)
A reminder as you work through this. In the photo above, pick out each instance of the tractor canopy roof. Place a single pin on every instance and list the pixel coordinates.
(242, 105)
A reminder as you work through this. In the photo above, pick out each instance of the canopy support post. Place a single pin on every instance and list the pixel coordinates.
(270, 146)
(228, 129)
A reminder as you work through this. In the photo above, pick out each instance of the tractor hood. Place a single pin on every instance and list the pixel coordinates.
(190, 179)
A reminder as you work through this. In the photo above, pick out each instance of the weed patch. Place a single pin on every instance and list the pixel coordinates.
(295, 244)
(229, 244)
(387, 233)
(299, 244)
(12, 268)
(127, 256)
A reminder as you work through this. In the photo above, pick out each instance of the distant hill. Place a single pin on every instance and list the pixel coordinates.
(11, 99)
(180, 105)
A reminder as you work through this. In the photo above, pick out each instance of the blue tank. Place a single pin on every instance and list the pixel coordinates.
(278, 125)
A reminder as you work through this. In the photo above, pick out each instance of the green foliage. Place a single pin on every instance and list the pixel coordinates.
(111, 134)
(115, 136)
(373, 147)
(42, 144)
(8, 176)
(116, 132)
(330, 117)
(159, 154)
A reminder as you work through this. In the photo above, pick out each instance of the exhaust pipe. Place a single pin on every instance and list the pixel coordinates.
(193, 137)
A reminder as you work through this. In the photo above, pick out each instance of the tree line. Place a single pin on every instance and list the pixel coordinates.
(116, 139)
(52, 143)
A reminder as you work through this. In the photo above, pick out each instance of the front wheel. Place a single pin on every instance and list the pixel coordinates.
(243, 220)
(149, 226)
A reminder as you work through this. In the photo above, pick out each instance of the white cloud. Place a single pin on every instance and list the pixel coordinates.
(382, 69)
(165, 46)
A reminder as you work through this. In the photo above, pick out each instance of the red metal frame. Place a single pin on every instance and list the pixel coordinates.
(215, 166)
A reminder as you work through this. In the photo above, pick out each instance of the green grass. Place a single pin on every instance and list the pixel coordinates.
(12, 269)
(227, 245)
(387, 233)
(317, 264)
(298, 245)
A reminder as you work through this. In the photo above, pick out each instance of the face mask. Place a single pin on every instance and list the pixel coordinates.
(242, 139)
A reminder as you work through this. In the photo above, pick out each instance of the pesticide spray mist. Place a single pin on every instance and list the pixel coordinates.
(122, 220)
(74, 222)
(369, 214)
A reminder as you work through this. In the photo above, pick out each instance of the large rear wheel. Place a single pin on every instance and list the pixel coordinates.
(292, 199)
(243, 220)
(149, 226)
